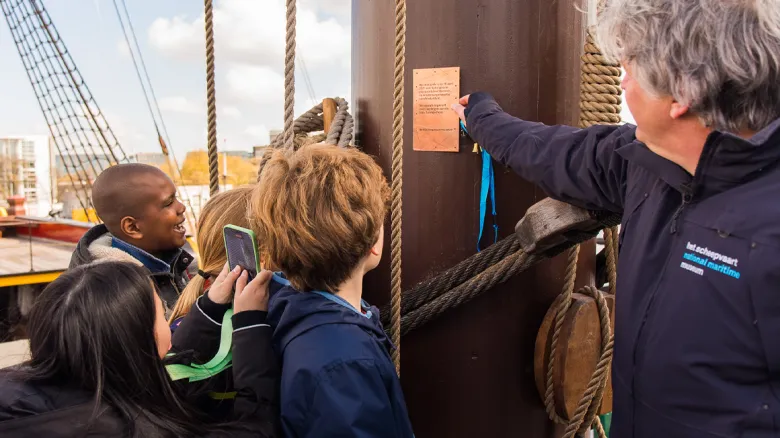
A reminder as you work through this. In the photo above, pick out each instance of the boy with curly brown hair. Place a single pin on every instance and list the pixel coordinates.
(319, 214)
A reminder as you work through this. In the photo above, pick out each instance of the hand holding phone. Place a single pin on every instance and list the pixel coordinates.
(222, 290)
(241, 247)
(252, 295)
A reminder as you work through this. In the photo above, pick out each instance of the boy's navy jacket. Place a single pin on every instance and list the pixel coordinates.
(697, 329)
(337, 375)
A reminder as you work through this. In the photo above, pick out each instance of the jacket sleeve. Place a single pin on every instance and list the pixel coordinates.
(578, 166)
(255, 373)
(199, 332)
(349, 401)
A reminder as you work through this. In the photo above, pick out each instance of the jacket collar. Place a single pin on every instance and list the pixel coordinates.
(99, 244)
(153, 264)
(727, 160)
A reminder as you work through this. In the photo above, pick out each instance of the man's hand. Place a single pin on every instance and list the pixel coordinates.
(252, 296)
(222, 290)
(460, 107)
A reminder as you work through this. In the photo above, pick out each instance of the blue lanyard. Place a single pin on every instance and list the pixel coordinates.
(487, 188)
(279, 278)
(338, 300)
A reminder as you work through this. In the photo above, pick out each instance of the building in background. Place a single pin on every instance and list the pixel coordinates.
(152, 158)
(26, 169)
(194, 197)
(272, 134)
(240, 154)
(71, 164)
(258, 151)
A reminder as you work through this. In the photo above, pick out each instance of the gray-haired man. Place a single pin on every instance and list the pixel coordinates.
(697, 180)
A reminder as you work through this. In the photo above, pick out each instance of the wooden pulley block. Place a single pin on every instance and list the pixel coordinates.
(550, 223)
(576, 356)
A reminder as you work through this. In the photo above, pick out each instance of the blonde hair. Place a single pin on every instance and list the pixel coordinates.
(225, 208)
(317, 212)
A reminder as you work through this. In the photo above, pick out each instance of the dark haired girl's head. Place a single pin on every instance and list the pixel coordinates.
(101, 327)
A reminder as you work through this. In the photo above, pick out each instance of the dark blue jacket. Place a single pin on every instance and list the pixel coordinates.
(337, 376)
(697, 329)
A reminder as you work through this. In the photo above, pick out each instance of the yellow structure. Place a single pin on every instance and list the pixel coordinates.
(80, 215)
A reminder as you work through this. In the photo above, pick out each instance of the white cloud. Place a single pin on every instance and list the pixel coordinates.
(132, 133)
(180, 104)
(231, 112)
(123, 48)
(177, 37)
(250, 39)
(255, 84)
(184, 105)
(254, 33)
(340, 9)
(258, 133)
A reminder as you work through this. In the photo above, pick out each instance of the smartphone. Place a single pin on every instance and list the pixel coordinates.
(241, 247)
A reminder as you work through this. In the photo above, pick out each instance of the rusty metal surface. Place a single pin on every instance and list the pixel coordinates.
(470, 372)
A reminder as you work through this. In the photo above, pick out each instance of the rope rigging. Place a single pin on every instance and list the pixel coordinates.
(296, 132)
(211, 100)
(82, 136)
(289, 76)
(482, 271)
(397, 169)
(148, 89)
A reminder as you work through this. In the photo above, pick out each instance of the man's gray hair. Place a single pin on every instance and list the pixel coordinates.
(721, 57)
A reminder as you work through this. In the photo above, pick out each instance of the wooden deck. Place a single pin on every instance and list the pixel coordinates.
(47, 255)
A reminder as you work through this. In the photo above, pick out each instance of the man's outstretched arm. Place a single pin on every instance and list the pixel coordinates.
(578, 166)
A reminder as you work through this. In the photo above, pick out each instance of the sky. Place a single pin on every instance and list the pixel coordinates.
(249, 36)
(249, 51)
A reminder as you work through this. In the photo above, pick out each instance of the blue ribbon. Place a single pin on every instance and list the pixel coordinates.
(487, 188)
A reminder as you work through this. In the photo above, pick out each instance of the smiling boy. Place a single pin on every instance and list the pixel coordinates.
(143, 223)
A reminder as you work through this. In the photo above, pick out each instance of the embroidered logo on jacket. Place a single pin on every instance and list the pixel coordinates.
(701, 257)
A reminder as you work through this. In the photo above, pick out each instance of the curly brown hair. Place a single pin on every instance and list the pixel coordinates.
(317, 213)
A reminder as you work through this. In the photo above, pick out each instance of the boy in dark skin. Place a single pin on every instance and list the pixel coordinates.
(143, 223)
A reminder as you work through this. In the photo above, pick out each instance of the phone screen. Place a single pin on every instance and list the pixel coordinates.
(240, 247)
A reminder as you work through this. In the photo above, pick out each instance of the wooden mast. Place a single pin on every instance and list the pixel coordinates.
(470, 372)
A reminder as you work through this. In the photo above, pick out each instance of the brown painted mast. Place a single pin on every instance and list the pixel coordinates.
(470, 372)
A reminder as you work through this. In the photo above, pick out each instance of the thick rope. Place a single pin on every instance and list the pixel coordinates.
(396, 208)
(600, 91)
(427, 290)
(610, 244)
(560, 313)
(473, 287)
(289, 76)
(586, 414)
(342, 130)
(211, 102)
(496, 274)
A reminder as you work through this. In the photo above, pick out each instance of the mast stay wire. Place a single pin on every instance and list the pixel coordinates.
(165, 144)
(306, 78)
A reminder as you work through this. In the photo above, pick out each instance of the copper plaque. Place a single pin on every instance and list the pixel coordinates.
(435, 123)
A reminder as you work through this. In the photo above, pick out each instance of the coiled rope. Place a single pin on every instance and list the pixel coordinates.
(296, 132)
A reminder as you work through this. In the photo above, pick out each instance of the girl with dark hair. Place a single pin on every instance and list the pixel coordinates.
(98, 338)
